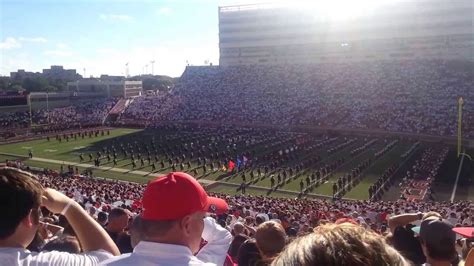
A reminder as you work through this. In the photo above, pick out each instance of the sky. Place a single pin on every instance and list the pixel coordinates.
(101, 36)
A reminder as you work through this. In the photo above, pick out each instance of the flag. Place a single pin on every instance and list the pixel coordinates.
(231, 165)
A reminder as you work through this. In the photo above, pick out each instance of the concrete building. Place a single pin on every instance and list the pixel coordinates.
(107, 88)
(58, 72)
(22, 74)
(279, 34)
(54, 73)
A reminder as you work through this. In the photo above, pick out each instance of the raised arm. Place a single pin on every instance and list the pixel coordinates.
(89, 233)
(403, 219)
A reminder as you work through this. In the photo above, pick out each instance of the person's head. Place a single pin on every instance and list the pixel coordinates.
(118, 220)
(235, 245)
(20, 197)
(239, 229)
(340, 244)
(259, 219)
(135, 231)
(64, 243)
(102, 218)
(437, 238)
(248, 254)
(174, 208)
(271, 239)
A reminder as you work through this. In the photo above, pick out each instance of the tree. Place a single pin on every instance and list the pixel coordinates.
(50, 88)
(15, 87)
(4, 83)
(35, 84)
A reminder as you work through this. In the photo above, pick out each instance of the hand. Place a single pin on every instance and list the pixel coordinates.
(43, 231)
(54, 200)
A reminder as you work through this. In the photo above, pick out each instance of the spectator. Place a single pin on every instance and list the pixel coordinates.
(173, 222)
(64, 243)
(248, 254)
(102, 218)
(340, 244)
(135, 234)
(403, 237)
(271, 239)
(235, 246)
(117, 223)
(438, 240)
(21, 196)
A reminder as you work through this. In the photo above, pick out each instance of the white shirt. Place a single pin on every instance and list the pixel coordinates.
(152, 253)
(20, 256)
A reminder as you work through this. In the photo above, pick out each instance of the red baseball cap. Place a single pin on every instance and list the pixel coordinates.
(176, 195)
(467, 232)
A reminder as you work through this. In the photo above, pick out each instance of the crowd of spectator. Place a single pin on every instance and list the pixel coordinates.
(89, 112)
(418, 97)
(242, 229)
(14, 120)
(150, 108)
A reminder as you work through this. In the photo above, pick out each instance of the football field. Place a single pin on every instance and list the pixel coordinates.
(160, 151)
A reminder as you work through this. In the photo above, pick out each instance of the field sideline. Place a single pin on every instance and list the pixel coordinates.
(52, 154)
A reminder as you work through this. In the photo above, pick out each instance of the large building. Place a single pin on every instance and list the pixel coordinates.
(278, 34)
(53, 73)
(109, 88)
(58, 72)
(21, 74)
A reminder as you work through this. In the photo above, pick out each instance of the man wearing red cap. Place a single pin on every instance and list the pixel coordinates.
(173, 222)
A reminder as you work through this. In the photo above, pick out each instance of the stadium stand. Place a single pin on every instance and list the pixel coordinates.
(417, 96)
(304, 116)
(297, 217)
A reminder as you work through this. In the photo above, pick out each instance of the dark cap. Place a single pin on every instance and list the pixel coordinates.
(438, 235)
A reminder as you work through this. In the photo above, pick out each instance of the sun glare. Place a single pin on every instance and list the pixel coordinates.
(336, 9)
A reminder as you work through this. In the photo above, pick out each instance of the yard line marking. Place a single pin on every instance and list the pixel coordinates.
(78, 147)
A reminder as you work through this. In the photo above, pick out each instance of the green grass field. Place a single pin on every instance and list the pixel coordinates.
(52, 154)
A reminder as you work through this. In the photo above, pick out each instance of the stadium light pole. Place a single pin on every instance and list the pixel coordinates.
(152, 66)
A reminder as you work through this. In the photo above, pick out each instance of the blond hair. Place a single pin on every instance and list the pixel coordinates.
(340, 244)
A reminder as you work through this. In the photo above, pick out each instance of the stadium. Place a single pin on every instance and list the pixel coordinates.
(363, 117)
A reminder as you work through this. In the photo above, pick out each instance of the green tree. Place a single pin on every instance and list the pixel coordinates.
(4, 83)
(15, 87)
(35, 84)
